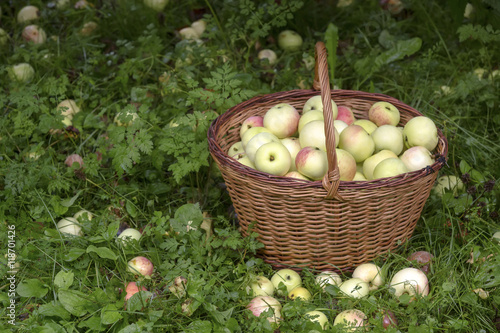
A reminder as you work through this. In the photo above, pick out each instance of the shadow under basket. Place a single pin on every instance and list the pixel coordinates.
(328, 224)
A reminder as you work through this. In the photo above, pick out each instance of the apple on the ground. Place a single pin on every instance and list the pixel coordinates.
(318, 317)
(355, 288)
(267, 305)
(300, 292)
(351, 320)
(411, 281)
(290, 278)
(370, 273)
(260, 286)
(289, 40)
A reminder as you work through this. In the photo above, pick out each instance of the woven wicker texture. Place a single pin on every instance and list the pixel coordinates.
(328, 224)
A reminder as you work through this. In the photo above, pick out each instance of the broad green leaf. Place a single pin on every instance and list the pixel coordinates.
(54, 309)
(73, 254)
(131, 209)
(70, 201)
(74, 301)
(64, 280)
(102, 252)
(112, 230)
(199, 326)
(110, 314)
(93, 323)
(32, 288)
(138, 301)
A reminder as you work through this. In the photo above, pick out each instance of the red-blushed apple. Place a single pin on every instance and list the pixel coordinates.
(69, 226)
(243, 159)
(420, 131)
(250, 133)
(253, 121)
(268, 306)
(129, 234)
(267, 55)
(308, 117)
(388, 137)
(28, 13)
(290, 278)
(389, 319)
(273, 158)
(357, 141)
(389, 167)
(236, 148)
(33, 33)
(351, 320)
(300, 292)
(72, 159)
(339, 125)
(178, 286)
(411, 281)
(326, 278)
(282, 120)
(423, 260)
(369, 126)
(293, 146)
(312, 162)
(384, 113)
(371, 162)
(260, 286)
(258, 141)
(296, 175)
(140, 266)
(315, 103)
(346, 164)
(448, 183)
(22, 72)
(370, 273)
(345, 114)
(416, 158)
(318, 317)
(289, 40)
(131, 289)
(355, 288)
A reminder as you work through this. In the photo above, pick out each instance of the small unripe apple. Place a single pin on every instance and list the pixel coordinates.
(269, 55)
(188, 33)
(289, 40)
(450, 182)
(69, 226)
(199, 26)
(28, 13)
(68, 108)
(328, 278)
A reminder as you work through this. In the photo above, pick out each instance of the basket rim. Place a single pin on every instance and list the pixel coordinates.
(221, 157)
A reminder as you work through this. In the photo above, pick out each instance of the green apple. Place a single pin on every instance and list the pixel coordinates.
(300, 292)
(260, 286)
(411, 281)
(129, 234)
(282, 120)
(236, 148)
(346, 164)
(315, 103)
(28, 13)
(389, 167)
(69, 226)
(445, 183)
(416, 158)
(384, 113)
(308, 117)
(420, 131)
(257, 141)
(388, 137)
(328, 278)
(68, 108)
(369, 126)
(267, 55)
(318, 317)
(371, 162)
(273, 158)
(496, 236)
(22, 72)
(293, 146)
(4, 37)
(188, 33)
(290, 278)
(351, 320)
(313, 135)
(250, 133)
(355, 288)
(243, 159)
(370, 273)
(199, 26)
(289, 40)
(339, 125)
(131, 116)
(357, 141)
(312, 162)
(359, 176)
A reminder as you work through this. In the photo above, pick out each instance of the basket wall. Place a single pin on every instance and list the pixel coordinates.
(297, 225)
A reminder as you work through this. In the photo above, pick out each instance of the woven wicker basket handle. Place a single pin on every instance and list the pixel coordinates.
(331, 180)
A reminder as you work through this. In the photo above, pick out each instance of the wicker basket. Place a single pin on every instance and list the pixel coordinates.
(328, 224)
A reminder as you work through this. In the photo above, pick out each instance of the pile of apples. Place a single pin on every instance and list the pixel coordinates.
(287, 143)
(365, 278)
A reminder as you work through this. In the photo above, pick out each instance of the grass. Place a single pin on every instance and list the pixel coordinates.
(157, 175)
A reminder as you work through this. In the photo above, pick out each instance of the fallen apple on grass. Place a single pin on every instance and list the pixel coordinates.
(131, 289)
(448, 183)
(267, 305)
(326, 278)
(351, 320)
(140, 266)
(355, 288)
(69, 226)
(33, 33)
(318, 317)
(28, 13)
(267, 55)
(370, 273)
(83, 213)
(72, 159)
(22, 72)
(289, 40)
(129, 234)
(411, 281)
(300, 292)
(260, 286)
(290, 278)
(423, 259)
(125, 118)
